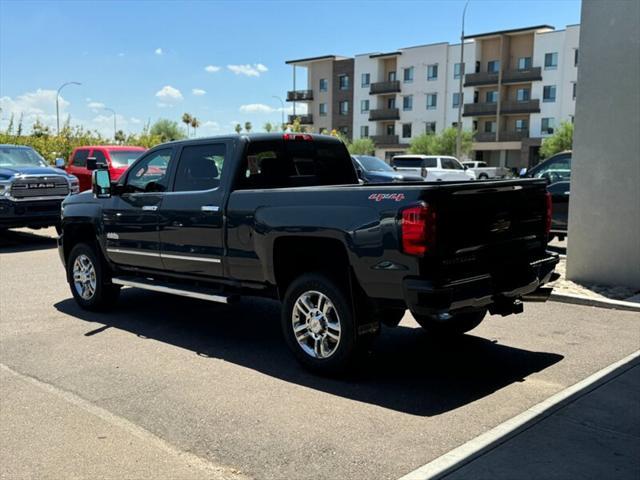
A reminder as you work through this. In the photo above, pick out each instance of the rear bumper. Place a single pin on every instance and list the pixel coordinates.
(40, 213)
(424, 298)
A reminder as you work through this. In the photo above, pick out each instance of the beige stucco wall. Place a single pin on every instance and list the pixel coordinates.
(604, 211)
(519, 46)
(316, 71)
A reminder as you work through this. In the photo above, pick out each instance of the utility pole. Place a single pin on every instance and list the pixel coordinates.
(58, 104)
(282, 103)
(460, 99)
(114, 120)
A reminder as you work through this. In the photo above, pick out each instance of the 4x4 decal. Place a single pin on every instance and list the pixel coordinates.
(378, 197)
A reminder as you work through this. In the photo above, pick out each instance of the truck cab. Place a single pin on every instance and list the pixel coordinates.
(116, 158)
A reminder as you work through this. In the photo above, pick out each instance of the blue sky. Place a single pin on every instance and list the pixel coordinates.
(148, 59)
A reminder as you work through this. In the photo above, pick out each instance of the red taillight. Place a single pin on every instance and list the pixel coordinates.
(297, 136)
(549, 213)
(418, 227)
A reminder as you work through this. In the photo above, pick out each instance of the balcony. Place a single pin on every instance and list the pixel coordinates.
(504, 136)
(385, 87)
(385, 139)
(510, 107)
(509, 76)
(384, 114)
(300, 96)
(304, 119)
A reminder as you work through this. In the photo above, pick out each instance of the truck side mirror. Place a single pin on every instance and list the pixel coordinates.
(101, 183)
(59, 163)
(92, 163)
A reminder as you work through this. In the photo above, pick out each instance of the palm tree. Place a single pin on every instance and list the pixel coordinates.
(186, 119)
(268, 127)
(238, 128)
(247, 126)
(195, 123)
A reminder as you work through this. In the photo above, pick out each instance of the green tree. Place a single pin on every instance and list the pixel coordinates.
(561, 140)
(10, 126)
(39, 129)
(248, 126)
(167, 130)
(19, 129)
(186, 119)
(120, 137)
(423, 144)
(362, 146)
(268, 127)
(238, 128)
(442, 144)
(195, 123)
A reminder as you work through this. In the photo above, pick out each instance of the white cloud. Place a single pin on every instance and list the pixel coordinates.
(209, 127)
(135, 121)
(248, 70)
(257, 108)
(211, 69)
(40, 104)
(121, 54)
(198, 92)
(169, 96)
(158, 51)
(95, 106)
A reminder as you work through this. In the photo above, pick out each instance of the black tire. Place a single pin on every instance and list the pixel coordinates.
(457, 325)
(105, 293)
(344, 351)
(483, 176)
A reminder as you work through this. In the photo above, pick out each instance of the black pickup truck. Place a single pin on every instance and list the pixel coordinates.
(284, 216)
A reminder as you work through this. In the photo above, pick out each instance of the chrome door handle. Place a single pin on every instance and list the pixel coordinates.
(150, 208)
(209, 208)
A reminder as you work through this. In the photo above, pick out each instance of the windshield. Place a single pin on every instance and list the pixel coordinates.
(124, 158)
(373, 164)
(20, 157)
(415, 162)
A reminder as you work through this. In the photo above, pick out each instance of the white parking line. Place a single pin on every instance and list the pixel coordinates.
(467, 452)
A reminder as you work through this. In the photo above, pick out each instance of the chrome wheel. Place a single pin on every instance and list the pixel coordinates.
(316, 324)
(84, 277)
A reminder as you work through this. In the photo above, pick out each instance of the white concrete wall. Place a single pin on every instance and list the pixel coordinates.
(470, 55)
(364, 64)
(604, 211)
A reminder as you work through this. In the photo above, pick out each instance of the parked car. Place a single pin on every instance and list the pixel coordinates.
(31, 191)
(483, 172)
(117, 158)
(554, 169)
(560, 192)
(374, 170)
(284, 216)
(432, 168)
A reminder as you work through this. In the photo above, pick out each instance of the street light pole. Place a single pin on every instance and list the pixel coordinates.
(460, 102)
(282, 103)
(58, 104)
(114, 120)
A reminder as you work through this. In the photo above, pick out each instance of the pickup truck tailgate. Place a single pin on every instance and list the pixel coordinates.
(485, 228)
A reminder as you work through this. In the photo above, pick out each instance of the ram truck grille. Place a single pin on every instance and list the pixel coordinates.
(31, 187)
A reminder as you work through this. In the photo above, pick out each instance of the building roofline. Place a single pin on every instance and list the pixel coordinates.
(510, 31)
(425, 45)
(388, 54)
(314, 59)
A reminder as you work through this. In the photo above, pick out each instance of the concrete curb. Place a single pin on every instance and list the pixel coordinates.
(595, 302)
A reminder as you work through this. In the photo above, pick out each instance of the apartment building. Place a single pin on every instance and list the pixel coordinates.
(518, 85)
(328, 95)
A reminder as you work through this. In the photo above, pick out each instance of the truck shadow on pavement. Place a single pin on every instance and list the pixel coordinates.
(12, 241)
(406, 370)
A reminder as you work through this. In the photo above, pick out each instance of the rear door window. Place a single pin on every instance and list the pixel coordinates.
(99, 156)
(415, 162)
(199, 168)
(80, 158)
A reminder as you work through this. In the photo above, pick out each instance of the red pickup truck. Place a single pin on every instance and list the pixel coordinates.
(116, 157)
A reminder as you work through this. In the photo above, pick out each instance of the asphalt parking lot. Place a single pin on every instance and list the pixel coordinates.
(177, 388)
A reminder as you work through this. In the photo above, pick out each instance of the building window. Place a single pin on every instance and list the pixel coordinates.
(575, 58)
(344, 131)
(490, 126)
(523, 95)
(454, 124)
(364, 106)
(547, 126)
(344, 107)
(391, 102)
(551, 61)
(343, 82)
(549, 93)
(324, 85)
(524, 63)
(365, 80)
(323, 109)
(407, 103)
(573, 87)
(407, 75)
(522, 126)
(456, 100)
(432, 72)
(430, 127)
(457, 70)
(406, 130)
(364, 131)
(432, 101)
(391, 76)
(491, 96)
(391, 129)
(493, 66)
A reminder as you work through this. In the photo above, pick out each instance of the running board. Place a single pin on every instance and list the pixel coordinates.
(155, 286)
